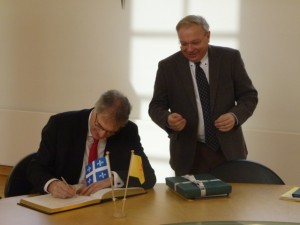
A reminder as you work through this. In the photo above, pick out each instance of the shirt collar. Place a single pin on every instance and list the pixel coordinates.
(89, 130)
(204, 60)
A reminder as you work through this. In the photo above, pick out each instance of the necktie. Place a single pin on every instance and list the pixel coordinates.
(93, 151)
(203, 89)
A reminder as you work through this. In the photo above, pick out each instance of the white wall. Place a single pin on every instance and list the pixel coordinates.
(62, 54)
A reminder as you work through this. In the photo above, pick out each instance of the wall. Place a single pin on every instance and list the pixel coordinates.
(60, 55)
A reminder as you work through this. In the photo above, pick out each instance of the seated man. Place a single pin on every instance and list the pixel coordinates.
(65, 148)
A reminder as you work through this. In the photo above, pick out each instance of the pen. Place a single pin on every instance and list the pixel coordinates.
(65, 182)
(63, 179)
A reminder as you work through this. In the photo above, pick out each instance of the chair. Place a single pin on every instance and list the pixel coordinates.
(246, 171)
(17, 183)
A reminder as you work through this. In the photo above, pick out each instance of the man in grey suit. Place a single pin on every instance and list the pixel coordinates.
(176, 103)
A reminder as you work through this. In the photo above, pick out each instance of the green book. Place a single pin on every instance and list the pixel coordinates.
(198, 186)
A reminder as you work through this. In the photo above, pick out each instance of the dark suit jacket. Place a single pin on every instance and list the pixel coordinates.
(231, 90)
(62, 149)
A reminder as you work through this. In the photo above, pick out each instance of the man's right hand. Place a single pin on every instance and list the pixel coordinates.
(60, 189)
(176, 122)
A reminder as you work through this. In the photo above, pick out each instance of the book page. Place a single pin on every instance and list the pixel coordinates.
(100, 193)
(50, 202)
(106, 193)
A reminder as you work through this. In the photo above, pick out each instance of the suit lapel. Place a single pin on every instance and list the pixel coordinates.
(184, 74)
(214, 67)
(83, 120)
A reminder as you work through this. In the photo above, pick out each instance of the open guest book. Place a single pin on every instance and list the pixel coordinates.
(49, 205)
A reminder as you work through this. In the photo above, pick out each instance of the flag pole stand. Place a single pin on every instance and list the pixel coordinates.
(121, 213)
(117, 213)
(134, 162)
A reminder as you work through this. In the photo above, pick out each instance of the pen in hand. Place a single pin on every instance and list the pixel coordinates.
(71, 190)
(63, 179)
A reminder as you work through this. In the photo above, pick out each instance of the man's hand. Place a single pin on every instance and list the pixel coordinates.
(176, 122)
(225, 122)
(94, 187)
(59, 189)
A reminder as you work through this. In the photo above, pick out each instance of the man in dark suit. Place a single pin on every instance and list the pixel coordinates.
(177, 105)
(65, 148)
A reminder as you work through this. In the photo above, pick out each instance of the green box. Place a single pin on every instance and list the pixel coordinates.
(199, 186)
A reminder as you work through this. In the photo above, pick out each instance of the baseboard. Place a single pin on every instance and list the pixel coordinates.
(5, 170)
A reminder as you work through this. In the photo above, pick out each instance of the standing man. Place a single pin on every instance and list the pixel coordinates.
(65, 148)
(202, 96)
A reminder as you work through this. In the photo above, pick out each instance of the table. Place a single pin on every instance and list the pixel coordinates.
(247, 202)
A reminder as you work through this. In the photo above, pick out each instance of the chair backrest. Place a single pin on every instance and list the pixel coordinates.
(17, 183)
(246, 171)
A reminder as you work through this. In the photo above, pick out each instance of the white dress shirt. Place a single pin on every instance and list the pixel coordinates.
(204, 66)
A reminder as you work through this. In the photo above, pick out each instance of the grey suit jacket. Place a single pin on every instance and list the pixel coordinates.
(231, 90)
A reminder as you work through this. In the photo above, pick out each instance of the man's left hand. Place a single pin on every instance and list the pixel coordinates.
(225, 122)
(94, 187)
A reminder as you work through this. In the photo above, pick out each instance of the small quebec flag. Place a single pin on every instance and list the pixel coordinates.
(97, 170)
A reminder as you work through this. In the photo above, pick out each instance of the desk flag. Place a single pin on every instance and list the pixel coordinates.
(97, 170)
(136, 168)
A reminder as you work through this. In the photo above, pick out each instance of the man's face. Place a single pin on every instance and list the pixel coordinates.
(102, 127)
(193, 42)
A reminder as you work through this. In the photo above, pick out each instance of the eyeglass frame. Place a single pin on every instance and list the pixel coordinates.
(100, 127)
(194, 43)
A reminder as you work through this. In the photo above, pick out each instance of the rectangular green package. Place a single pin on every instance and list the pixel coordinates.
(198, 186)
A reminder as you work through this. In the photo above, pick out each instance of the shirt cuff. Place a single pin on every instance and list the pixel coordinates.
(48, 183)
(236, 119)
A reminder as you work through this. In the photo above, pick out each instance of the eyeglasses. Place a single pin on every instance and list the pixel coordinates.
(193, 44)
(100, 128)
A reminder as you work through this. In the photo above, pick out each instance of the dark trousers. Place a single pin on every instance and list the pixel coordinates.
(206, 159)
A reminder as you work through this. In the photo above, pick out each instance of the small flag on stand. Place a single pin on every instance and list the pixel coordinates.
(98, 170)
(136, 168)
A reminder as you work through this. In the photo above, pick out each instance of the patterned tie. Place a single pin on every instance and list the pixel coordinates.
(203, 88)
(93, 151)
